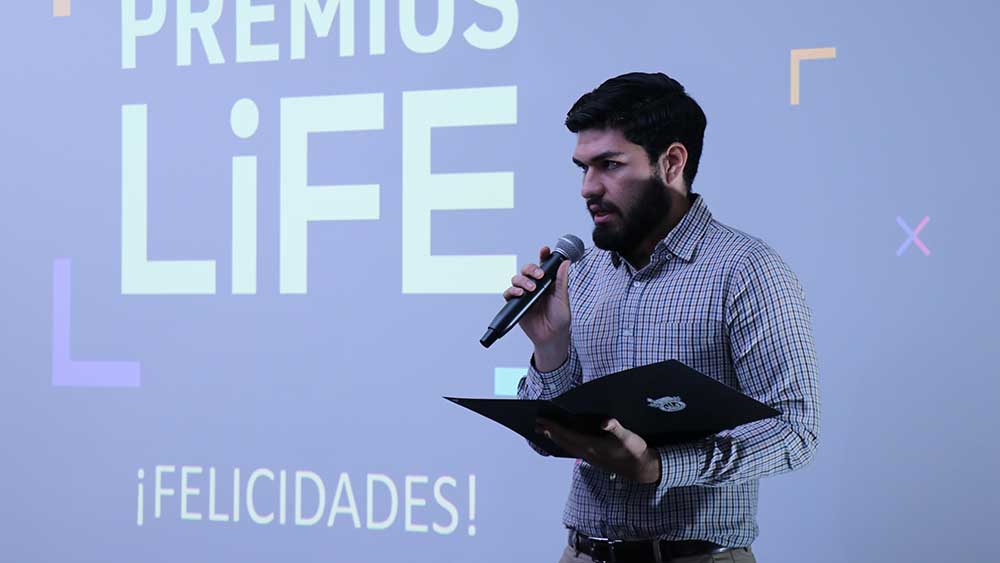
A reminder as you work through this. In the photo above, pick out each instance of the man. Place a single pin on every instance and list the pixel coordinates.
(664, 281)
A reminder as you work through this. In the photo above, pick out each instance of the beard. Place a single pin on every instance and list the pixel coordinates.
(637, 221)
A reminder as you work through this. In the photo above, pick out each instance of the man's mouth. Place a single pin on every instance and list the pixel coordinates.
(601, 216)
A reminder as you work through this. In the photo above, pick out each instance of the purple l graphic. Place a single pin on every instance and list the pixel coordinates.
(65, 371)
(912, 236)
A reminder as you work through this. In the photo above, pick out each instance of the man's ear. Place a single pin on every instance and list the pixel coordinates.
(671, 164)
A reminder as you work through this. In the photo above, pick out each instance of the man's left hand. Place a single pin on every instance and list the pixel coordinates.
(616, 449)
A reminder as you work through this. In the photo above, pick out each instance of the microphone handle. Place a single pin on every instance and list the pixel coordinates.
(512, 311)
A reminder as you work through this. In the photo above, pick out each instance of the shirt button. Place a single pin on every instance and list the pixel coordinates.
(613, 476)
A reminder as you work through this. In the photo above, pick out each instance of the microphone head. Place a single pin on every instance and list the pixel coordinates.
(570, 246)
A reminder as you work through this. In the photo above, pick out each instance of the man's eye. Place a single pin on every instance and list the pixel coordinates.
(611, 164)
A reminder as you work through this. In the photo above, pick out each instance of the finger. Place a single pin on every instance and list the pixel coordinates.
(512, 292)
(523, 282)
(564, 436)
(615, 428)
(565, 446)
(632, 442)
(572, 448)
(564, 430)
(532, 270)
(543, 253)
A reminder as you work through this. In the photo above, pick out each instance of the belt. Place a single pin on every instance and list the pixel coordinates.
(603, 550)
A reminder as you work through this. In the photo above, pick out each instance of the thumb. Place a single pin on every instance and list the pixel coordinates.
(562, 278)
(615, 428)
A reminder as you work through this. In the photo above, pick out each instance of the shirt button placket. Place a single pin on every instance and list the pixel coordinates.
(624, 337)
(633, 304)
(616, 483)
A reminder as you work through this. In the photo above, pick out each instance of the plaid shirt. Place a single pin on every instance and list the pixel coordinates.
(725, 304)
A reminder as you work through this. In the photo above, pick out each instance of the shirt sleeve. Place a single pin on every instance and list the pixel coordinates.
(551, 384)
(547, 385)
(770, 331)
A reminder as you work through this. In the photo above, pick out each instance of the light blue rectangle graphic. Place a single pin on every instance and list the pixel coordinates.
(505, 381)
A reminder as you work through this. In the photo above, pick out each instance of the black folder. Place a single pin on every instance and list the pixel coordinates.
(665, 403)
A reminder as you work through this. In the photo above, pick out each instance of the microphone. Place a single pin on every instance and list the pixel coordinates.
(569, 248)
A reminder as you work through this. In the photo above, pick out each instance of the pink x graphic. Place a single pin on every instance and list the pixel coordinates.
(912, 237)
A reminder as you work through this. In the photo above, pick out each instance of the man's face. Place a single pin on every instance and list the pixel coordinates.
(626, 198)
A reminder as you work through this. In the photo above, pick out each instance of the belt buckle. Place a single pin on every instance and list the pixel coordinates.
(610, 544)
(597, 544)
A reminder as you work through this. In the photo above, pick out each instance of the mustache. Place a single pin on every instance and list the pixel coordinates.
(601, 206)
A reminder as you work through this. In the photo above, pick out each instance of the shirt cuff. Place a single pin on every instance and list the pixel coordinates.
(680, 465)
(549, 384)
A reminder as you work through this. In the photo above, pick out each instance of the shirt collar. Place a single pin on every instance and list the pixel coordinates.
(683, 239)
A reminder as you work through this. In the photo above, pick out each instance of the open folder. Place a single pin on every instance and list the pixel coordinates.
(665, 403)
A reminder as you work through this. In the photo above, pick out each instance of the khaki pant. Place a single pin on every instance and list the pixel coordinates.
(735, 556)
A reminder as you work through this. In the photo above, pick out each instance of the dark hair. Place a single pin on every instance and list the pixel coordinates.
(651, 110)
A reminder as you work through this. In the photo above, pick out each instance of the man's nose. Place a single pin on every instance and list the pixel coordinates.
(592, 186)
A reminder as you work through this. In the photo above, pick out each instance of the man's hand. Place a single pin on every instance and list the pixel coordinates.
(547, 322)
(617, 449)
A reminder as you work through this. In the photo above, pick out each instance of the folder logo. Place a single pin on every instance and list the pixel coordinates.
(667, 404)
